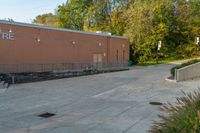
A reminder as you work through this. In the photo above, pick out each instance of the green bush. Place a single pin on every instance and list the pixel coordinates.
(183, 65)
(184, 117)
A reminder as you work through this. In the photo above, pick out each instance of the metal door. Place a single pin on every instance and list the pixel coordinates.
(97, 60)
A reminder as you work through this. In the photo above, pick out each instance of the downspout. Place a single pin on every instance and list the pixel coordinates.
(108, 49)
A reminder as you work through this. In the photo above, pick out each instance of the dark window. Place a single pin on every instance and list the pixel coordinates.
(117, 55)
(123, 55)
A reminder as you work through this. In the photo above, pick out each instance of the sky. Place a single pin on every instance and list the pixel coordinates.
(26, 10)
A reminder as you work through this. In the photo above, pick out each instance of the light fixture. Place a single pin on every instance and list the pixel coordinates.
(38, 40)
(100, 44)
(104, 54)
(123, 45)
(10, 30)
(73, 42)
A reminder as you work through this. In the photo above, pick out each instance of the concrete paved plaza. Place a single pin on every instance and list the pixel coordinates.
(105, 103)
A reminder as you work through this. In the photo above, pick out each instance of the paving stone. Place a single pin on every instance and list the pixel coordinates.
(104, 103)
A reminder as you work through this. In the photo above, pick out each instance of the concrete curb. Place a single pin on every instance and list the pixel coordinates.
(170, 79)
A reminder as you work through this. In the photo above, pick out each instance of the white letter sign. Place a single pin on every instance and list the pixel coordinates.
(7, 36)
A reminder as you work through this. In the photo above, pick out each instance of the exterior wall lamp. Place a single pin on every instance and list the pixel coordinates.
(73, 42)
(38, 40)
(10, 30)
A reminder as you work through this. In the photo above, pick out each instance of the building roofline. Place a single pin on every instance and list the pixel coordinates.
(57, 29)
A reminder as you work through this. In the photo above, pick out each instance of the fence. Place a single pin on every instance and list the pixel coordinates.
(28, 68)
(188, 72)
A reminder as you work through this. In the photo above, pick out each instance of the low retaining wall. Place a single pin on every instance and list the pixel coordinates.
(188, 72)
(8, 79)
(51, 67)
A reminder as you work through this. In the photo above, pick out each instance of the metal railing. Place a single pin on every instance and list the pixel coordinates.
(27, 68)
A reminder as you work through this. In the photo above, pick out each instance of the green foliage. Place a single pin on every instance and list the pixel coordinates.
(174, 24)
(71, 14)
(183, 65)
(184, 117)
(149, 63)
(147, 23)
(90, 15)
(106, 15)
(47, 19)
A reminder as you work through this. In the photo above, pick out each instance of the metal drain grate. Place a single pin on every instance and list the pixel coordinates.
(46, 115)
(155, 103)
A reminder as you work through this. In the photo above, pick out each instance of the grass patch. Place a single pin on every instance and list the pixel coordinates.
(148, 63)
(183, 65)
(184, 117)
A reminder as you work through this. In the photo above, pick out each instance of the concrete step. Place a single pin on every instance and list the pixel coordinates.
(4, 85)
(2, 89)
(1, 85)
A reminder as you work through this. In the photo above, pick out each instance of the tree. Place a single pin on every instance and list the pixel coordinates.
(47, 19)
(185, 25)
(147, 23)
(106, 15)
(72, 14)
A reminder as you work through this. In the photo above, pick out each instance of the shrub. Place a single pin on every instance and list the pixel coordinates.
(183, 117)
(183, 65)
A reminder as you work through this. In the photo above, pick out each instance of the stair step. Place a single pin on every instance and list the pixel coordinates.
(1, 87)
(6, 85)
(2, 83)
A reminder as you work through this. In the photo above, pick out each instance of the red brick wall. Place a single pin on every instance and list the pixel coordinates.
(57, 46)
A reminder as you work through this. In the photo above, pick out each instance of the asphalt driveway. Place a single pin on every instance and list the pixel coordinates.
(105, 103)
